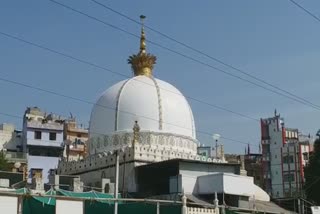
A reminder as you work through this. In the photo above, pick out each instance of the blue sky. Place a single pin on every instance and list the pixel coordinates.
(273, 40)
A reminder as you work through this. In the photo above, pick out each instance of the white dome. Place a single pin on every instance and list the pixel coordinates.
(156, 105)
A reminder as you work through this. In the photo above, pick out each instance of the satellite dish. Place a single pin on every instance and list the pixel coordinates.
(216, 137)
(17, 165)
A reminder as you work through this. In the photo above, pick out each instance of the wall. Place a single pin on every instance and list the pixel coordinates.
(276, 143)
(72, 134)
(272, 156)
(196, 169)
(9, 204)
(140, 153)
(188, 184)
(41, 162)
(190, 171)
(6, 134)
(44, 141)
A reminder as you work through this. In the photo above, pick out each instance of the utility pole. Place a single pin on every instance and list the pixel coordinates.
(116, 189)
(216, 137)
(124, 175)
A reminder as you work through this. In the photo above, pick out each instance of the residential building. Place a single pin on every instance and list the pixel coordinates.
(210, 152)
(10, 138)
(205, 151)
(75, 139)
(253, 166)
(285, 152)
(11, 145)
(43, 143)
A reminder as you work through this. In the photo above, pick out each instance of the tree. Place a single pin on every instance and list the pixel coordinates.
(4, 165)
(312, 175)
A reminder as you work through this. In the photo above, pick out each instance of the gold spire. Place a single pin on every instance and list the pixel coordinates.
(143, 37)
(142, 63)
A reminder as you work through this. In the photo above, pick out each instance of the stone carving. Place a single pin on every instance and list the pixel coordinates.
(155, 140)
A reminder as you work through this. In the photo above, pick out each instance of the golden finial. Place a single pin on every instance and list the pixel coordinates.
(143, 36)
(142, 63)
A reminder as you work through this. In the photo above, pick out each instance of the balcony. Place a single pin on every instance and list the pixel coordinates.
(78, 148)
(266, 157)
(32, 142)
(267, 176)
(14, 157)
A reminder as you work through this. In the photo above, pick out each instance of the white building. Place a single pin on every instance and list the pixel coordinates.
(285, 153)
(146, 122)
(43, 143)
(158, 112)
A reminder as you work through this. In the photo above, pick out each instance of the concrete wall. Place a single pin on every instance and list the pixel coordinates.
(196, 169)
(44, 141)
(9, 204)
(7, 137)
(276, 142)
(188, 184)
(42, 162)
(190, 171)
(68, 206)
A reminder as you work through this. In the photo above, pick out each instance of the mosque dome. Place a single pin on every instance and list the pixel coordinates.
(156, 106)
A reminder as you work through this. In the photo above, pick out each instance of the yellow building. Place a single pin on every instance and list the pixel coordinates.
(75, 139)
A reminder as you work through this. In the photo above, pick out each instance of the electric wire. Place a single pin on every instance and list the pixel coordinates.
(186, 56)
(117, 73)
(305, 10)
(204, 54)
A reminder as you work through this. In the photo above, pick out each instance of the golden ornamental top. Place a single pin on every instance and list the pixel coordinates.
(142, 63)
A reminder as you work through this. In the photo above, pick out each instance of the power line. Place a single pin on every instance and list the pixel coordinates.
(305, 10)
(117, 73)
(106, 107)
(10, 115)
(184, 55)
(205, 54)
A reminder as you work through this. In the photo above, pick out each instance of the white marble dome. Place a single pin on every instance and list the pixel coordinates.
(156, 105)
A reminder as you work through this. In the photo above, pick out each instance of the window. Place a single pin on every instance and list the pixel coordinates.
(305, 156)
(37, 135)
(288, 159)
(34, 152)
(52, 172)
(52, 136)
(288, 177)
(36, 173)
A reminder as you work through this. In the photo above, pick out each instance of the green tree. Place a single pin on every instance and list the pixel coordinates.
(4, 165)
(312, 175)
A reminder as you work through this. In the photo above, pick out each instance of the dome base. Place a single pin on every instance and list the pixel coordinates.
(156, 140)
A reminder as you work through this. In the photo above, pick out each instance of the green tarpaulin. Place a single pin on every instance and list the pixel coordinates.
(85, 195)
(93, 203)
(34, 206)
